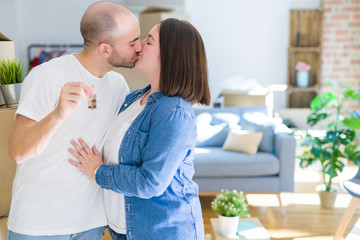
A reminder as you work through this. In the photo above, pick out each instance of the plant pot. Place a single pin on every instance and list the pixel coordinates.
(2, 102)
(228, 225)
(11, 94)
(327, 199)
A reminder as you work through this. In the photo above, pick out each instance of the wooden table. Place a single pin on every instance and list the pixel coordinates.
(215, 226)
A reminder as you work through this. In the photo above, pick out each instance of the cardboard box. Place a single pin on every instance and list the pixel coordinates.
(154, 15)
(7, 51)
(7, 166)
(135, 79)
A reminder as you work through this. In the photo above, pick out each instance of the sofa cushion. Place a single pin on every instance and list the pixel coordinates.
(258, 122)
(213, 124)
(216, 162)
(242, 141)
(210, 132)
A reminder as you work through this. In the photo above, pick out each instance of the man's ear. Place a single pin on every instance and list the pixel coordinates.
(104, 49)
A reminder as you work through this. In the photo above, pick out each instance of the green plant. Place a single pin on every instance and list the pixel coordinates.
(230, 204)
(339, 141)
(11, 71)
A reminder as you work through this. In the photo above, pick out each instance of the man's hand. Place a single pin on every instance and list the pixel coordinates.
(72, 94)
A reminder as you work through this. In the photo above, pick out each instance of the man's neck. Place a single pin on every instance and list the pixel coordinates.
(93, 64)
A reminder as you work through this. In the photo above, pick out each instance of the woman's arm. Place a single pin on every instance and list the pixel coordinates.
(170, 141)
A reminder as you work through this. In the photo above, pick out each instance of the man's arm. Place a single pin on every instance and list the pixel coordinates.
(30, 138)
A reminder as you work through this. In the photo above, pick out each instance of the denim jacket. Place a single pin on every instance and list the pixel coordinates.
(155, 171)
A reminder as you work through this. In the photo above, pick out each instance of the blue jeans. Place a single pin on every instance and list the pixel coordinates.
(116, 236)
(92, 234)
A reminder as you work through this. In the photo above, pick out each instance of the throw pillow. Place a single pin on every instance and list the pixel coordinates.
(209, 135)
(243, 141)
(258, 122)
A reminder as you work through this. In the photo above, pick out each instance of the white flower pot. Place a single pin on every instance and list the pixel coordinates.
(2, 102)
(302, 78)
(327, 199)
(228, 225)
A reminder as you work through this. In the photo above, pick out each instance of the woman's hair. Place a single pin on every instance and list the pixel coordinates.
(183, 62)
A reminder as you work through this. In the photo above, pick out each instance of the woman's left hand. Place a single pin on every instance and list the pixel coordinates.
(88, 159)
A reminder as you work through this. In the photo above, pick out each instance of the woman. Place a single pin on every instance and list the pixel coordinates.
(149, 149)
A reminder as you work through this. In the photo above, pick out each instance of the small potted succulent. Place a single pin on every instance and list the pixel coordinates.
(11, 77)
(230, 205)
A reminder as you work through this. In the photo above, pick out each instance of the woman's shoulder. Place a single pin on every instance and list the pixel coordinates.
(172, 104)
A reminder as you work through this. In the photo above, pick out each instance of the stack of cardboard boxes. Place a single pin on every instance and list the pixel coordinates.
(7, 166)
(6, 52)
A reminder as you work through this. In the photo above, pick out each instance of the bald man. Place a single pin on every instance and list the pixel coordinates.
(52, 199)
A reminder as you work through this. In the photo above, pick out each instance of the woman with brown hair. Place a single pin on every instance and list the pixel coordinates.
(149, 149)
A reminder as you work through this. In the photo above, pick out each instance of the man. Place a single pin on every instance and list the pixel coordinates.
(51, 199)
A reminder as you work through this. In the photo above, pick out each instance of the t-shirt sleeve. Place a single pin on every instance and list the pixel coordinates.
(40, 93)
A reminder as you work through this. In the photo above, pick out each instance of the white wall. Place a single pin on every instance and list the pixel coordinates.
(243, 39)
(41, 22)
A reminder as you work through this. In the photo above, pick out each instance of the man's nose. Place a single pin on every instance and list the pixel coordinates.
(138, 46)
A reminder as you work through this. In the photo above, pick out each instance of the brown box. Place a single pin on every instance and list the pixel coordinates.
(153, 15)
(7, 51)
(7, 166)
(135, 79)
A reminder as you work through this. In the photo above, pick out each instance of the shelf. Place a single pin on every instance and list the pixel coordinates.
(301, 99)
(305, 49)
(304, 46)
(299, 89)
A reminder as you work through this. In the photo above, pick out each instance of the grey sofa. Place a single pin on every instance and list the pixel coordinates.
(270, 170)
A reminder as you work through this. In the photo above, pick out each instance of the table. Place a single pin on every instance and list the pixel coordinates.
(215, 226)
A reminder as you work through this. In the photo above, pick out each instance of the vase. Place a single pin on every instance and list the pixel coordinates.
(327, 199)
(11, 94)
(302, 78)
(228, 225)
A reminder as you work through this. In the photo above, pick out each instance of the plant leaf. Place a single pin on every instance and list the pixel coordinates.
(323, 101)
(316, 117)
(352, 122)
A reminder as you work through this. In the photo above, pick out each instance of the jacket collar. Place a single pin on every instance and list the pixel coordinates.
(156, 96)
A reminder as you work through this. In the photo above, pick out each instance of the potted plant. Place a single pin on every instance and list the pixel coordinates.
(230, 205)
(338, 142)
(11, 77)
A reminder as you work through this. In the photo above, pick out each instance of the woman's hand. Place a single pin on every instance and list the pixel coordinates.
(88, 159)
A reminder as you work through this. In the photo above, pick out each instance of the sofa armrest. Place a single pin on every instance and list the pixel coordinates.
(285, 147)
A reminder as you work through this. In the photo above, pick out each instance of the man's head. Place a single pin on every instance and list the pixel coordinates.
(113, 30)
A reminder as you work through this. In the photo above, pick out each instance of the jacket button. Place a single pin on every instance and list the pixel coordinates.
(125, 104)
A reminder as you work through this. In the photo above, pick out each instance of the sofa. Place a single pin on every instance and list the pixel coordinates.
(270, 169)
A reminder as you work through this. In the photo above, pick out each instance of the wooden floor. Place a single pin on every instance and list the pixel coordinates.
(304, 219)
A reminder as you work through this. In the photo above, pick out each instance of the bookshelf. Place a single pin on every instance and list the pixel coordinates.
(305, 46)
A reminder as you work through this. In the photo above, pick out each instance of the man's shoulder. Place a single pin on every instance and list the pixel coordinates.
(117, 81)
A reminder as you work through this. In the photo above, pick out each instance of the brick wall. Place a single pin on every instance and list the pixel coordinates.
(341, 43)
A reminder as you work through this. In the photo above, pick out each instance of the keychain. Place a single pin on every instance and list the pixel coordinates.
(92, 100)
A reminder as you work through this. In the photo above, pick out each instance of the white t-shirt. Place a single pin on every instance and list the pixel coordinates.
(50, 196)
(114, 202)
